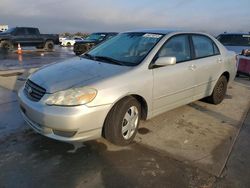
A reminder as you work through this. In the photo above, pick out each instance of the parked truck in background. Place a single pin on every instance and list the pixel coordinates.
(27, 36)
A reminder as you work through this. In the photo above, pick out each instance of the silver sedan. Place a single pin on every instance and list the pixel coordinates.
(131, 77)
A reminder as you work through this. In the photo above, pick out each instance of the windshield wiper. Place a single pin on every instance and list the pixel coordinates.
(108, 59)
(103, 58)
(89, 56)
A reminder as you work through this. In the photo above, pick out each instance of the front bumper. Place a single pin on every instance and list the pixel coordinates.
(80, 123)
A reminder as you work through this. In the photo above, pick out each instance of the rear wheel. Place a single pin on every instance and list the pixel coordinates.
(49, 45)
(219, 91)
(122, 122)
(7, 45)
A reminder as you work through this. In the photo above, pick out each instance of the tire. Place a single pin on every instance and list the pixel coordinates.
(219, 91)
(39, 46)
(77, 53)
(68, 44)
(7, 45)
(49, 45)
(117, 128)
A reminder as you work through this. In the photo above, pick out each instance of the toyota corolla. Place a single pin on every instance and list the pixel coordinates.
(131, 77)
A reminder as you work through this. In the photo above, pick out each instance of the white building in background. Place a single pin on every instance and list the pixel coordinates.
(3, 28)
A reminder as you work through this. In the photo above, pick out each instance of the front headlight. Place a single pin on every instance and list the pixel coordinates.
(72, 97)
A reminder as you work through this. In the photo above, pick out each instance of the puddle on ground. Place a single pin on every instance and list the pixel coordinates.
(12, 74)
(32, 57)
(143, 130)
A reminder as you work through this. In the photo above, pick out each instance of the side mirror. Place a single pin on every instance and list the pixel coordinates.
(164, 61)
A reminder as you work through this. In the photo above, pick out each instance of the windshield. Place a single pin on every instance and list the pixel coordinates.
(128, 48)
(95, 36)
(9, 30)
(235, 40)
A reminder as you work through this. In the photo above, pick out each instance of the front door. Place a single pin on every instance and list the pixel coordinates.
(174, 84)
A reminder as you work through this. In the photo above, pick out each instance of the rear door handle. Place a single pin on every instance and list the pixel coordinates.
(192, 67)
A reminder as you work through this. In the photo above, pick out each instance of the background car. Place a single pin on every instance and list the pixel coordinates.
(95, 38)
(61, 39)
(236, 42)
(68, 42)
(240, 44)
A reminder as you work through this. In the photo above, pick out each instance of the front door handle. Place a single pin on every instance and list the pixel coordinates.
(192, 67)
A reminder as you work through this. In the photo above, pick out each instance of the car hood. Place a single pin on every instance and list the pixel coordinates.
(75, 72)
(237, 49)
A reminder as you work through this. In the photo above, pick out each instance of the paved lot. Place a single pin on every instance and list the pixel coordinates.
(32, 58)
(14, 68)
(200, 134)
(186, 147)
(33, 160)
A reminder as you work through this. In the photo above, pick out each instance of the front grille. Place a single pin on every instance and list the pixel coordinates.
(33, 91)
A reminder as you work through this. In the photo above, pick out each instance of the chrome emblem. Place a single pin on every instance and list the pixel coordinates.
(29, 90)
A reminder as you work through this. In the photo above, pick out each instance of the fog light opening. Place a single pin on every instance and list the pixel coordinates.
(64, 133)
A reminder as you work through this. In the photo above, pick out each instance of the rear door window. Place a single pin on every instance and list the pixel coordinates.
(20, 31)
(204, 46)
(32, 31)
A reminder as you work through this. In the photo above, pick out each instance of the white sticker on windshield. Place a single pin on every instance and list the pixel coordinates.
(150, 35)
(246, 36)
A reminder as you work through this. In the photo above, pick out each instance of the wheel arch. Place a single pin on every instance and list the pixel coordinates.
(226, 74)
(139, 98)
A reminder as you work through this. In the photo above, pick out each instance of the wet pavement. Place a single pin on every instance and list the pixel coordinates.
(236, 174)
(28, 159)
(32, 58)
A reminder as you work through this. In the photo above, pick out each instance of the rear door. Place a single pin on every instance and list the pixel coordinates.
(207, 64)
(33, 36)
(174, 84)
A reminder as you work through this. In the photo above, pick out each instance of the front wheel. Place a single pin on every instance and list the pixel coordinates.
(219, 91)
(122, 122)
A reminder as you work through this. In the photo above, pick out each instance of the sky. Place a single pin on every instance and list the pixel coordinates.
(57, 16)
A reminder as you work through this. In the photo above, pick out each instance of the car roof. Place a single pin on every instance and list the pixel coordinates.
(155, 31)
(105, 33)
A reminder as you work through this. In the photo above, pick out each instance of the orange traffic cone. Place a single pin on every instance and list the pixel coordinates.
(19, 49)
